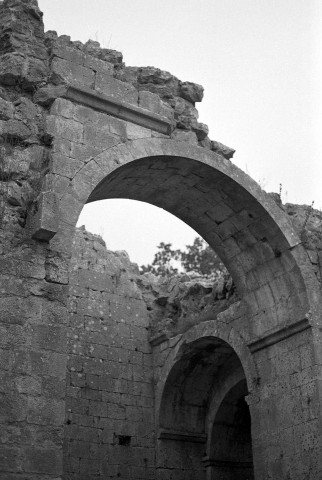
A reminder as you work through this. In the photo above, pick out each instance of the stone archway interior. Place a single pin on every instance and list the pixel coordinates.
(206, 382)
(231, 444)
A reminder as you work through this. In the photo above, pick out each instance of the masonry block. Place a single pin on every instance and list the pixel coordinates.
(43, 219)
(116, 88)
(64, 71)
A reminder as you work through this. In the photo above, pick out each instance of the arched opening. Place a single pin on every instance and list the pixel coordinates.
(203, 413)
(249, 232)
(231, 443)
(234, 223)
(136, 227)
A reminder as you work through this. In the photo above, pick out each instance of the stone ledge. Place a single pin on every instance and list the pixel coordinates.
(278, 336)
(209, 462)
(112, 106)
(165, 434)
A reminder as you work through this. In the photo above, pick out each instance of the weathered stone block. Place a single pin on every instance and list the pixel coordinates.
(28, 385)
(17, 310)
(43, 461)
(6, 110)
(46, 95)
(43, 218)
(55, 183)
(10, 460)
(97, 409)
(50, 337)
(65, 166)
(85, 114)
(185, 136)
(226, 152)
(56, 270)
(99, 137)
(15, 129)
(201, 130)
(166, 111)
(45, 411)
(66, 128)
(16, 68)
(63, 71)
(61, 145)
(116, 88)
(116, 412)
(62, 107)
(134, 132)
(118, 127)
(98, 65)
(50, 364)
(149, 101)
(191, 91)
(82, 152)
(73, 55)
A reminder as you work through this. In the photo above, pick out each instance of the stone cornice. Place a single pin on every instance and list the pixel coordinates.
(209, 462)
(117, 108)
(278, 336)
(165, 434)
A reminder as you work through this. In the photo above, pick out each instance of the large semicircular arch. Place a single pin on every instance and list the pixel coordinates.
(250, 232)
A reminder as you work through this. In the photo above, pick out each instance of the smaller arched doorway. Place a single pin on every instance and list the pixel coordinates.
(230, 456)
(205, 427)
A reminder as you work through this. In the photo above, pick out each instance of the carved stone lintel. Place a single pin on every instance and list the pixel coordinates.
(117, 108)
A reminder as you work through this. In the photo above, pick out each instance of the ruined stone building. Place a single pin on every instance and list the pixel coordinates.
(106, 373)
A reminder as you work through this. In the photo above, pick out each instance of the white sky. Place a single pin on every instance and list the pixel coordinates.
(261, 65)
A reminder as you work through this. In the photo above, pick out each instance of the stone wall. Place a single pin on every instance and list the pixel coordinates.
(123, 328)
(109, 400)
(116, 315)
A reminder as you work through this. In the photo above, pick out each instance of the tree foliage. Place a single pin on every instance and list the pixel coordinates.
(198, 257)
(164, 261)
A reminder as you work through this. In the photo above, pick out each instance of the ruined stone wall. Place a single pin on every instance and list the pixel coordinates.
(123, 331)
(109, 399)
(77, 125)
(115, 313)
(35, 69)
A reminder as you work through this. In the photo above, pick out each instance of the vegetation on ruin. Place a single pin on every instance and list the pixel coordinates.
(198, 257)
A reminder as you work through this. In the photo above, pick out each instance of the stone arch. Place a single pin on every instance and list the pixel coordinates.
(248, 230)
(251, 234)
(203, 376)
(208, 329)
